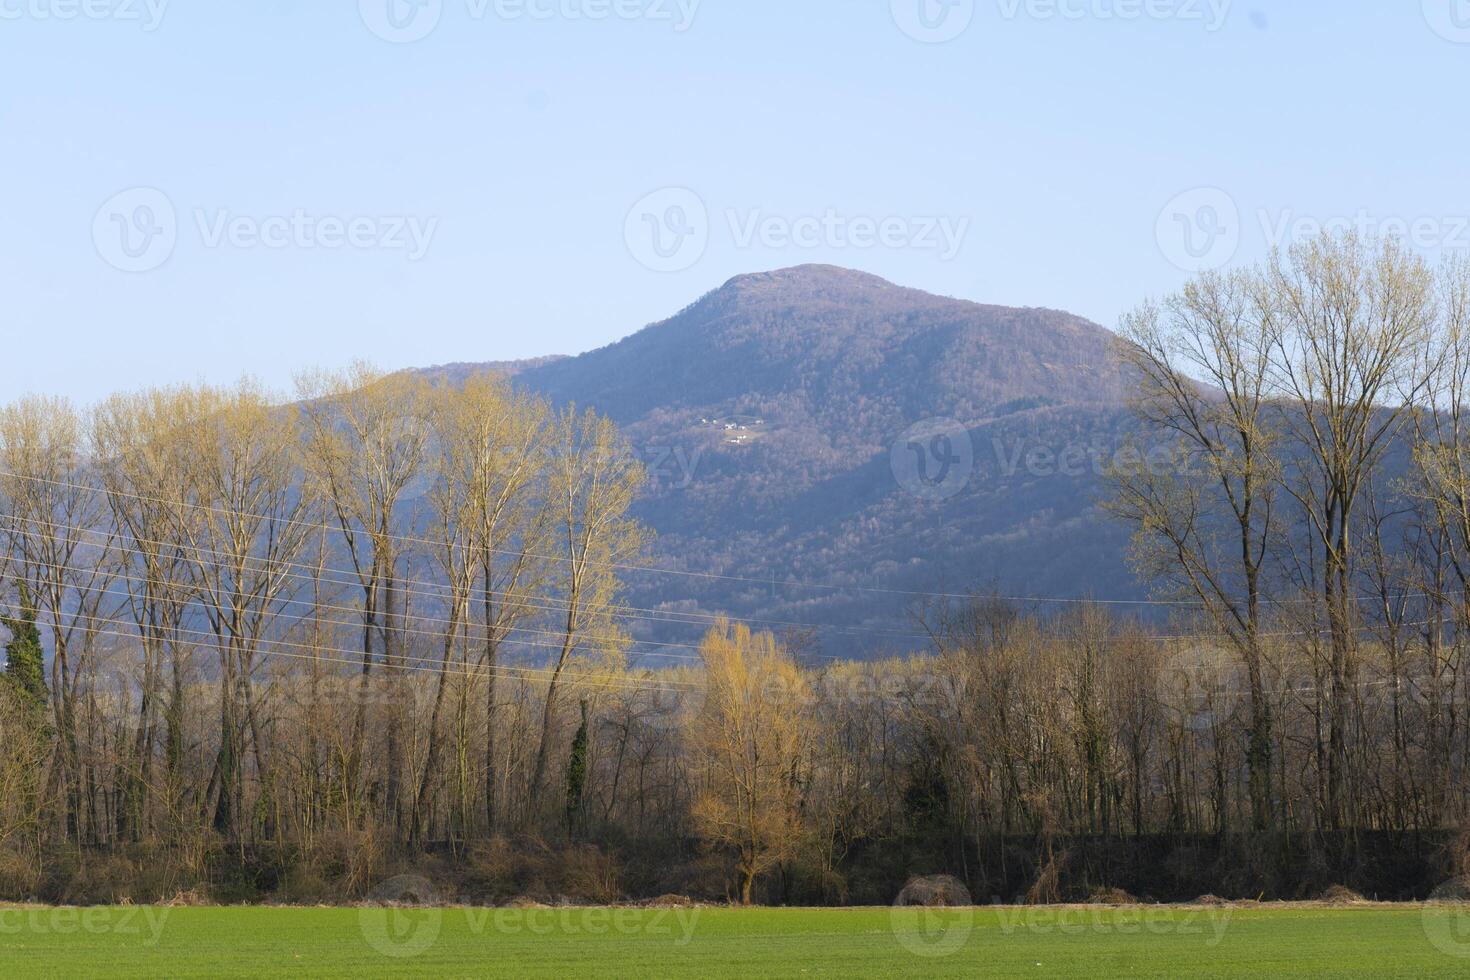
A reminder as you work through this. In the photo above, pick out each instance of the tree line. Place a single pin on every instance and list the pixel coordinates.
(238, 600)
(1318, 493)
(259, 647)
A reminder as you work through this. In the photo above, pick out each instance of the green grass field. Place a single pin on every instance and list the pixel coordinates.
(719, 942)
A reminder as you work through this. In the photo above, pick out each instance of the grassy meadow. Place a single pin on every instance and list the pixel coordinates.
(1073, 941)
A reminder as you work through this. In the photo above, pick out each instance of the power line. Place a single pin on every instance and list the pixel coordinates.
(209, 607)
(350, 657)
(427, 665)
(639, 568)
(433, 590)
(622, 566)
(654, 615)
(186, 549)
(439, 636)
(529, 599)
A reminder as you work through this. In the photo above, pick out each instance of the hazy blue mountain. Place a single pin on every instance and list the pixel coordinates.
(806, 502)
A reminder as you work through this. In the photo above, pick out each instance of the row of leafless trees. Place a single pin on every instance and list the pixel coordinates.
(383, 621)
(829, 784)
(1319, 488)
(297, 575)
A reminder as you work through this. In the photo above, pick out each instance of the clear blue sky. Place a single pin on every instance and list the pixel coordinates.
(519, 145)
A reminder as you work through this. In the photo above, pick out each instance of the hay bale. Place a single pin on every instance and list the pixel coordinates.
(671, 902)
(1110, 896)
(934, 891)
(1454, 890)
(1339, 895)
(407, 891)
(191, 898)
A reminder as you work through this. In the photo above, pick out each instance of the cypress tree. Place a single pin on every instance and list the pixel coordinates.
(25, 669)
(577, 772)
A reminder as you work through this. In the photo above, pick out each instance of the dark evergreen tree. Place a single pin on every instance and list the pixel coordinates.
(25, 668)
(926, 798)
(577, 773)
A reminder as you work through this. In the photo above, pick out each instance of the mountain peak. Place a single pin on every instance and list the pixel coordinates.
(773, 415)
(807, 288)
(851, 354)
(813, 275)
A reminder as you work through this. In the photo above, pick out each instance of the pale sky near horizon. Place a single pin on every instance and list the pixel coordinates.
(198, 190)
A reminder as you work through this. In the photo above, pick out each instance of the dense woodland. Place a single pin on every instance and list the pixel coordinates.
(288, 649)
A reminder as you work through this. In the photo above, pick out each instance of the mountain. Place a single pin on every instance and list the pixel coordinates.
(777, 414)
(458, 372)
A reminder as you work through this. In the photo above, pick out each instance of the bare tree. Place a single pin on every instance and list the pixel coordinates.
(748, 738)
(1350, 320)
(243, 528)
(1205, 524)
(366, 434)
(487, 526)
(142, 462)
(593, 480)
(62, 544)
(493, 468)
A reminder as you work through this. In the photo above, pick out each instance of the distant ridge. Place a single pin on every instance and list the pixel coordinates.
(459, 371)
(827, 368)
